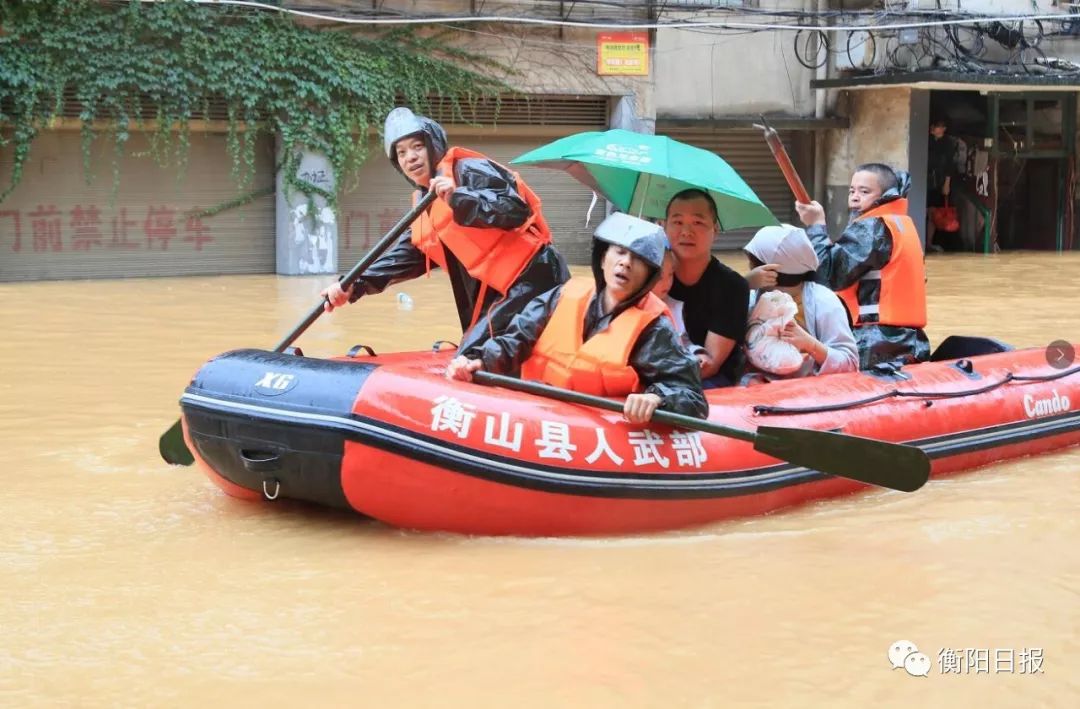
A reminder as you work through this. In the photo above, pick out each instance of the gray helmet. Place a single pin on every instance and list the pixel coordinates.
(401, 123)
(644, 239)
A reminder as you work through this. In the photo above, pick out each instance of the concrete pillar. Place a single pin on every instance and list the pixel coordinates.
(306, 230)
(624, 115)
(918, 145)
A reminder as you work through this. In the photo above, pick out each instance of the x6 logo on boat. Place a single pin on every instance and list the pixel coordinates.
(1055, 404)
(273, 383)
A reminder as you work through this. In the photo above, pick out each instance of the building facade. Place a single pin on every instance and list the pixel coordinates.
(842, 89)
(864, 86)
(56, 225)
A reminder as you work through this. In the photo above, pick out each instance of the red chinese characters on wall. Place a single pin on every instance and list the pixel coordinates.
(11, 223)
(196, 232)
(121, 226)
(45, 228)
(358, 223)
(85, 228)
(159, 227)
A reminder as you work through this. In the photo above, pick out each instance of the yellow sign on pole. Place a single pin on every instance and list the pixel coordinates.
(622, 54)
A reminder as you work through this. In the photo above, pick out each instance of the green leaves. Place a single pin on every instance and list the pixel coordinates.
(170, 62)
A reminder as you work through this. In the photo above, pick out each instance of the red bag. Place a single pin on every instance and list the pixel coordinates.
(945, 218)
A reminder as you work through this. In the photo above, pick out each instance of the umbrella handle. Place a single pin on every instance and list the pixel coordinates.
(644, 194)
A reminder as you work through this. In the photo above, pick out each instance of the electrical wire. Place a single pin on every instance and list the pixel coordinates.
(719, 24)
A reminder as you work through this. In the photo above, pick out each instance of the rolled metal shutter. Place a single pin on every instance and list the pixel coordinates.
(564, 200)
(382, 196)
(54, 225)
(747, 152)
(369, 206)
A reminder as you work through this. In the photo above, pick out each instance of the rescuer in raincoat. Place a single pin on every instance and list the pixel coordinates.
(485, 228)
(876, 266)
(607, 335)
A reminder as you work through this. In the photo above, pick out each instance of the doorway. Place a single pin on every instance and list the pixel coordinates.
(966, 116)
(1013, 185)
(1028, 203)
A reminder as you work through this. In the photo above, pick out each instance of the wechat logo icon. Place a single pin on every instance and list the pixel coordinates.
(903, 653)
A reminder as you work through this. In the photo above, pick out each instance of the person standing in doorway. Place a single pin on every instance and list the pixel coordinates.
(940, 170)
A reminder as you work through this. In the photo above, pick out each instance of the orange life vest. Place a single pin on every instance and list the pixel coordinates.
(600, 365)
(902, 294)
(495, 257)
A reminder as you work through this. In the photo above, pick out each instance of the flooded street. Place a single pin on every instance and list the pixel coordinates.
(129, 582)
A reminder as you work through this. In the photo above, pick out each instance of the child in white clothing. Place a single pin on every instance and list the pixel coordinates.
(662, 289)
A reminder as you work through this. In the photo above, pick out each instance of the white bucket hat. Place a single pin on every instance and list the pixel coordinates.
(787, 246)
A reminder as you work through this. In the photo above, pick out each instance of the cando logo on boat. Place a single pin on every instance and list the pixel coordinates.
(1045, 407)
(273, 383)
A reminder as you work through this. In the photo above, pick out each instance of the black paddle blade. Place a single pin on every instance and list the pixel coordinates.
(172, 447)
(891, 465)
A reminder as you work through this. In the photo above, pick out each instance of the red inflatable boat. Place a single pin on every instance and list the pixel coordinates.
(390, 437)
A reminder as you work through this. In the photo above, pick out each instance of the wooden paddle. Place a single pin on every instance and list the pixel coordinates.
(171, 444)
(776, 145)
(891, 465)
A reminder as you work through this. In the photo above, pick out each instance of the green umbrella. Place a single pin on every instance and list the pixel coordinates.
(640, 173)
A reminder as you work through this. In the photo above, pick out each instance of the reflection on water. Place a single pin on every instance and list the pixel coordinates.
(130, 582)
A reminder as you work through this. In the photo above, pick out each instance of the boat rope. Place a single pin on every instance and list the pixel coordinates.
(764, 410)
(1045, 377)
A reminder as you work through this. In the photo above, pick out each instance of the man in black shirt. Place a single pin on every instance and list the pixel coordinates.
(715, 298)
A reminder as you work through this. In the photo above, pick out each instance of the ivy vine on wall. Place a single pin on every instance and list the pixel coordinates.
(135, 65)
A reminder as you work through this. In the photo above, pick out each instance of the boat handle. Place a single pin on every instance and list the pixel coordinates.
(277, 489)
(260, 461)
